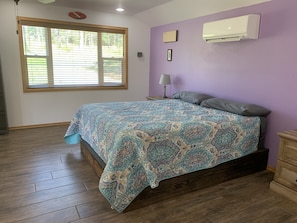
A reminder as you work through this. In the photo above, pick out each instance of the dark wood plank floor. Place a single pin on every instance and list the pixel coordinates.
(44, 180)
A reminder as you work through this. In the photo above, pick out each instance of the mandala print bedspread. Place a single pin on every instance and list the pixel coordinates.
(145, 142)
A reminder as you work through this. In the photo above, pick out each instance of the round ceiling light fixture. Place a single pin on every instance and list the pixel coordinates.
(46, 1)
(120, 9)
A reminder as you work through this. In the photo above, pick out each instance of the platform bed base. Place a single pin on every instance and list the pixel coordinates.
(173, 187)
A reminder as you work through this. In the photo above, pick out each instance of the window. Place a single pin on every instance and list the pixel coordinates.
(69, 56)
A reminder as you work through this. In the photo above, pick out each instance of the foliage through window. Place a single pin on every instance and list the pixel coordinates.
(66, 56)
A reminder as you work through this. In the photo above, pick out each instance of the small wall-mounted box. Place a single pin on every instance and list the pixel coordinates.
(170, 36)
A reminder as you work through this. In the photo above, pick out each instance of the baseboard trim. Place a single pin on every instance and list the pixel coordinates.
(38, 126)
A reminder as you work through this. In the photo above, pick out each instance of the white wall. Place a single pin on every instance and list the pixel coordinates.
(52, 107)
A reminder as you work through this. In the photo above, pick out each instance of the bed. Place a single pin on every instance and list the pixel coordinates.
(148, 151)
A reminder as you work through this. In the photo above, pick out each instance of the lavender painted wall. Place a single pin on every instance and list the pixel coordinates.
(259, 71)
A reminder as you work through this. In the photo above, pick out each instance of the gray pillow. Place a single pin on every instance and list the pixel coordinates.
(235, 107)
(191, 97)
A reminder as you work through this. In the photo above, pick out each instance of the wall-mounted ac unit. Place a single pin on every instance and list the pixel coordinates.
(232, 29)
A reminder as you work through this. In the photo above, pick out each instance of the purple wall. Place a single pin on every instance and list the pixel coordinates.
(259, 71)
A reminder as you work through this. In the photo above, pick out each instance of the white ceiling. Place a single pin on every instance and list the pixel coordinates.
(156, 12)
(179, 10)
(131, 7)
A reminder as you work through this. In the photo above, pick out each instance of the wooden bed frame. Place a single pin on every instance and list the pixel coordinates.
(173, 187)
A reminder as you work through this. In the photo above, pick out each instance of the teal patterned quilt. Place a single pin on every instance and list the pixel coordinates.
(145, 142)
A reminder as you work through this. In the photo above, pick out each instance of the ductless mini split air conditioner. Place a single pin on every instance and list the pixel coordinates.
(232, 29)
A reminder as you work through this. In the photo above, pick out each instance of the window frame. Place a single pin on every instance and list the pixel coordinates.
(74, 26)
